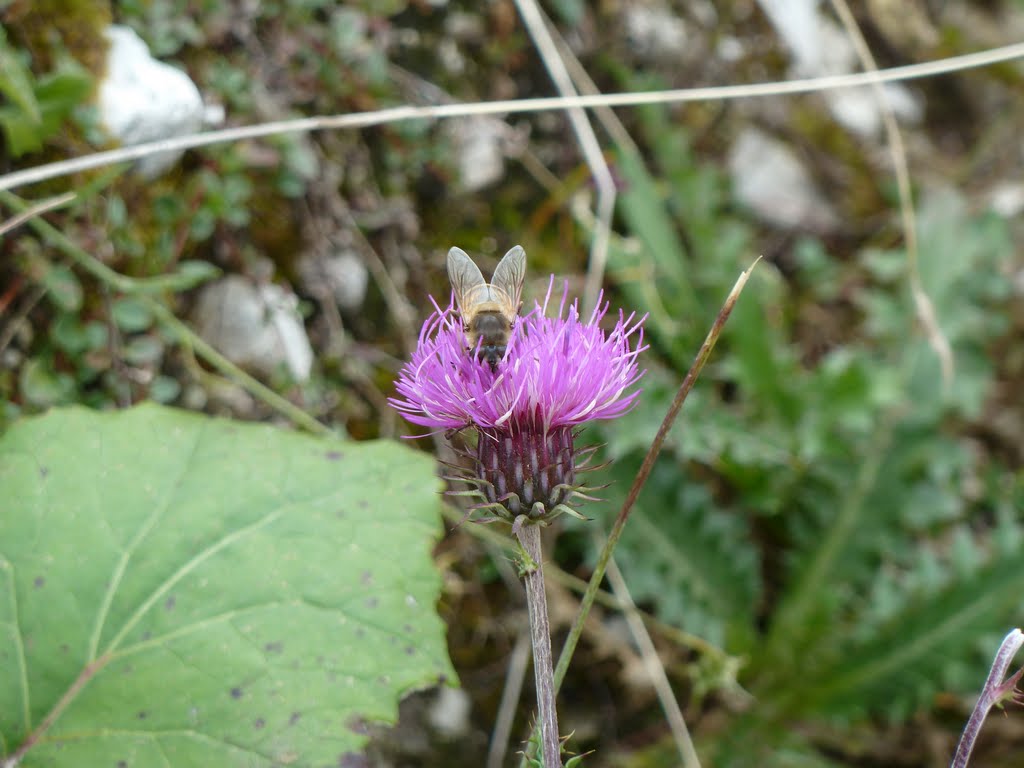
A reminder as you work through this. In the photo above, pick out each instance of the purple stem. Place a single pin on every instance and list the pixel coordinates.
(993, 692)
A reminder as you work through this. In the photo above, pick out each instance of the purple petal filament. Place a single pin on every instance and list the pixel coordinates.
(557, 372)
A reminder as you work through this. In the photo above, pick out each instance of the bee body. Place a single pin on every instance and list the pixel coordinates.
(488, 309)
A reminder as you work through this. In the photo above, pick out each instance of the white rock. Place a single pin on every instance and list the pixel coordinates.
(480, 146)
(820, 47)
(654, 31)
(342, 276)
(1007, 199)
(450, 713)
(142, 99)
(768, 178)
(255, 326)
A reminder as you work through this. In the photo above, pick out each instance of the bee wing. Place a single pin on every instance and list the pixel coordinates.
(465, 277)
(509, 276)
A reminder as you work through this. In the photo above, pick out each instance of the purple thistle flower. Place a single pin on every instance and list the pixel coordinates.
(557, 374)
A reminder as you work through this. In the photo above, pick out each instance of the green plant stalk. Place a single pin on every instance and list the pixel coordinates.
(594, 585)
(185, 335)
(142, 288)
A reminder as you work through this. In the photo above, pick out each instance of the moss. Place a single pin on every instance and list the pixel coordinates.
(48, 28)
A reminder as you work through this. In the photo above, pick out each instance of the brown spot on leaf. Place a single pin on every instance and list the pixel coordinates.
(236, 693)
(259, 723)
(357, 725)
(409, 650)
(372, 602)
(170, 602)
(142, 715)
(334, 455)
(366, 578)
(39, 582)
(274, 647)
(294, 718)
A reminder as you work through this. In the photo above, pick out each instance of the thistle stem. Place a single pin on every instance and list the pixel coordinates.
(540, 635)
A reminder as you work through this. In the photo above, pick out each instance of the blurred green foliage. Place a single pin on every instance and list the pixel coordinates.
(37, 106)
(828, 519)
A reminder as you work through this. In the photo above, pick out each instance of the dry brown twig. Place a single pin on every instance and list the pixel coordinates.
(922, 302)
(406, 112)
(539, 28)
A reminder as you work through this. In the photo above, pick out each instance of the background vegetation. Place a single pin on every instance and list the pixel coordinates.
(830, 548)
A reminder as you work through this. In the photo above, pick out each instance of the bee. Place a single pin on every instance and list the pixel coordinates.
(488, 309)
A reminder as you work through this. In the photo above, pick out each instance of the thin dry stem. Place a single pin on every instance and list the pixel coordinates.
(594, 585)
(656, 670)
(605, 115)
(645, 469)
(540, 31)
(39, 208)
(500, 543)
(514, 676)
(922, 302)
(402, 113)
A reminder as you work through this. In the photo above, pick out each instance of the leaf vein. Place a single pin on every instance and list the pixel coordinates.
(126, 555)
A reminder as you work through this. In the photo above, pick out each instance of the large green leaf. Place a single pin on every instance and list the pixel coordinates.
(180, 590)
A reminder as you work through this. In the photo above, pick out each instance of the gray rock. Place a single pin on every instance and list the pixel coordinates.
(769, 178)
(256, 326)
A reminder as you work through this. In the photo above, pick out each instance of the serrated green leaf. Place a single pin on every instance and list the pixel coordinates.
(182, 590)
(902, 665)
(693, 561)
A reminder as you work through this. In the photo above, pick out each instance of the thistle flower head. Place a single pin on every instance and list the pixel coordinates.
(558, 373)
